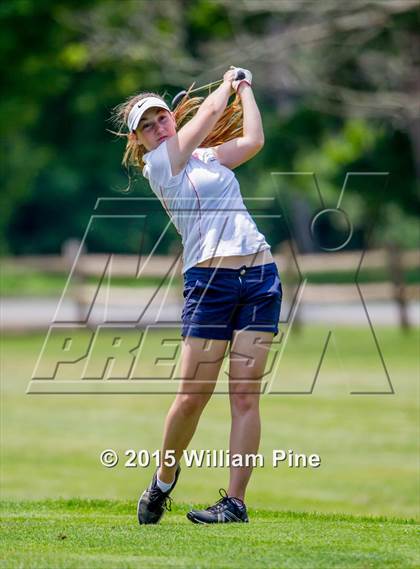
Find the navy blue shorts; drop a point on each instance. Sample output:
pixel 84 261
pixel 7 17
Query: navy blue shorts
pixel 219 301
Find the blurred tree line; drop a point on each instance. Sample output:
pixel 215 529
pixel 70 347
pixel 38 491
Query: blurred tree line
pixel 337 84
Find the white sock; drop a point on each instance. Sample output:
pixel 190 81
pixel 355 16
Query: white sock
pixel 164 486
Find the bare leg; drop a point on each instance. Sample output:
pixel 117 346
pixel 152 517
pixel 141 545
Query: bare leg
pixel 200 366
pixel 247 364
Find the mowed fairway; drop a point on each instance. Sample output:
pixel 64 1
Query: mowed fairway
pixel 95 534
pixel 62 508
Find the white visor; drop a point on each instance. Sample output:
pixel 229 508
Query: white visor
pixel 140 108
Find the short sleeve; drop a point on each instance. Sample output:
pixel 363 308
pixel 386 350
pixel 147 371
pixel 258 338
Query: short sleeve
pixel 157 167
pixel 205 155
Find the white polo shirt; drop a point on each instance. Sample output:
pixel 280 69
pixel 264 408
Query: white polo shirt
pixel 204 203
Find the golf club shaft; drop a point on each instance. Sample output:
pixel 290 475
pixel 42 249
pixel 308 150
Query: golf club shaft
pixel 240 75
pixel 209 85
pixel 182 94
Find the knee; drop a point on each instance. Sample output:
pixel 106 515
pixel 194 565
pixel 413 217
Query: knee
pixel 242 403
pixel 192 403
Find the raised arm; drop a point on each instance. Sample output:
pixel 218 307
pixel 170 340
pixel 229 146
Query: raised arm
pixel 242 148
pixel 191 135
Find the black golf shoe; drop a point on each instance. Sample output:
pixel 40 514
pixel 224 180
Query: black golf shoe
pixel 153 501
pixel 227 509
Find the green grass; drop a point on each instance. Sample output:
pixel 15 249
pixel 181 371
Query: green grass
pixel 102 534
pixel 50 469
pixel 29 282
pixel 411 276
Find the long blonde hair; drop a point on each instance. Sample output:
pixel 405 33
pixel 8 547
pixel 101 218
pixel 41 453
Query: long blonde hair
pixel 229 125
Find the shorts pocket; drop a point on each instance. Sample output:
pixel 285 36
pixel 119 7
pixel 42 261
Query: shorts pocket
pixel 278 285
pixel 273 286
pixel 193 289
pixel 266 302
pixel 187 292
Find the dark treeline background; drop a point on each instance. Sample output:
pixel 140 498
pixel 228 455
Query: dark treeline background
pixel 337 83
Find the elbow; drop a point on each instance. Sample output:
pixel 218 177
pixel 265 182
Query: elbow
pixel 258 143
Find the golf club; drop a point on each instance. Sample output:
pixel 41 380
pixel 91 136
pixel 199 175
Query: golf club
pixel 179 96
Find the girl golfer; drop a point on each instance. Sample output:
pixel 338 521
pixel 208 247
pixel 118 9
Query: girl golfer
pixel 232 288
